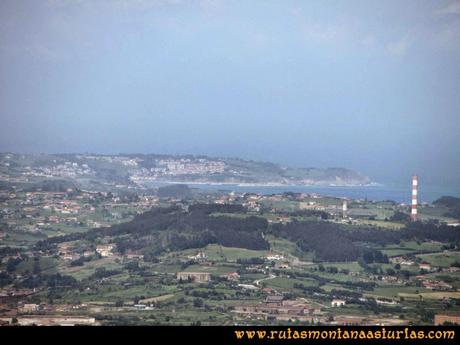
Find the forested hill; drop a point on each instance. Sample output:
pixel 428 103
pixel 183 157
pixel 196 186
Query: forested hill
pixel 173 228
pixel 452 205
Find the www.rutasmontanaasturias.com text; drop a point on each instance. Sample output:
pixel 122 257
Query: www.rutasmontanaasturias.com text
pixel 338 334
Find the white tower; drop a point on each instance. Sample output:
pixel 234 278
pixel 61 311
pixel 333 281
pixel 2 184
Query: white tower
pixel 344 209
pixel 413 213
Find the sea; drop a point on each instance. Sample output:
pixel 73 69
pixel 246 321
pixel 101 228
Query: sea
pixel 400 193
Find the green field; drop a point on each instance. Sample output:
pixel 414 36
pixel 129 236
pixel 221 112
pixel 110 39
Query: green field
pixel 21 239
pixel 351 266
pixel 411 247
pixel 438 295
pixel 219 253
pixel 445 259
pixel 288 283
pixel 395 291
pixel 286 248
pixel 329 287
pixel 217 269
pixel 82 272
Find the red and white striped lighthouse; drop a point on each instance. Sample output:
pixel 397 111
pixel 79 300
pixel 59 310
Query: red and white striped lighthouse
pixel 413 213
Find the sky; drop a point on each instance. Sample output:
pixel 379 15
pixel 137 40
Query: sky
pixel 368 85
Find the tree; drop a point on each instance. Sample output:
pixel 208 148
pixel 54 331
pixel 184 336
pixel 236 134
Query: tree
pixel 399 216
pixel 36 269
pixel 12 263
pixel 333 270
pixel 391 272
pixel 198 303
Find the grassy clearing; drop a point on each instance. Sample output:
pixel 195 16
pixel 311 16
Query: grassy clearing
pixel 82 272
pixel 284 205
pixel 211 269
pixel 286 247
pixel 330 287
pixel 411 247
pixel 434 212
pixel 351 266
pixel 114 293
pixel 395 291
pixel 219 253
pixel 21 239
pixel 167 268
pixel 288 283
pixel 445 259
pixel 432 295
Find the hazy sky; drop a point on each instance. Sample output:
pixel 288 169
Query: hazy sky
pixel 369 85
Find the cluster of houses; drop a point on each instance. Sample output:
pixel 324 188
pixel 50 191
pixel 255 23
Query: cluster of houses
pixel 46 208
pixel 254 202
pixel 277 308
pixel 176 167
pixel 42 320
pixel 67 252
pixel 66 169
pixel 199 256
pixel 186 166
pixel 435 285
pixel 105 250
pixel 204 277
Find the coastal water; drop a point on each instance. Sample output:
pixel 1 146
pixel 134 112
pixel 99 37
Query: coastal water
pixel 396 192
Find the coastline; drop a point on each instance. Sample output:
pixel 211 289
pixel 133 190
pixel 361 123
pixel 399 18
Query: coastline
pixel 266 184
pixel 400 193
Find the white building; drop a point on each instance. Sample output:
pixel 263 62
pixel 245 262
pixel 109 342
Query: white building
pixel 105 250
pixel 338 302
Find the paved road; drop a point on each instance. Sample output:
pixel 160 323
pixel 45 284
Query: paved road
pixel 271 276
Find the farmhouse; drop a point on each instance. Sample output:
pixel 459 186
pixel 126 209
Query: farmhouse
pixel 105 250
pixel 338 302
pixel 28 308
pixel 230 276
pixel 425 267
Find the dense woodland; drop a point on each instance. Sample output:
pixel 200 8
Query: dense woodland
pixel 175 229
pixel 452 203
pixel 337 242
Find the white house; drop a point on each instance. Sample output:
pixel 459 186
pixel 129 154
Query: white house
pixel 338 302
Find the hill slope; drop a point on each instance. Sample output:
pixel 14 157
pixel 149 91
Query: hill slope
pixel 140 170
